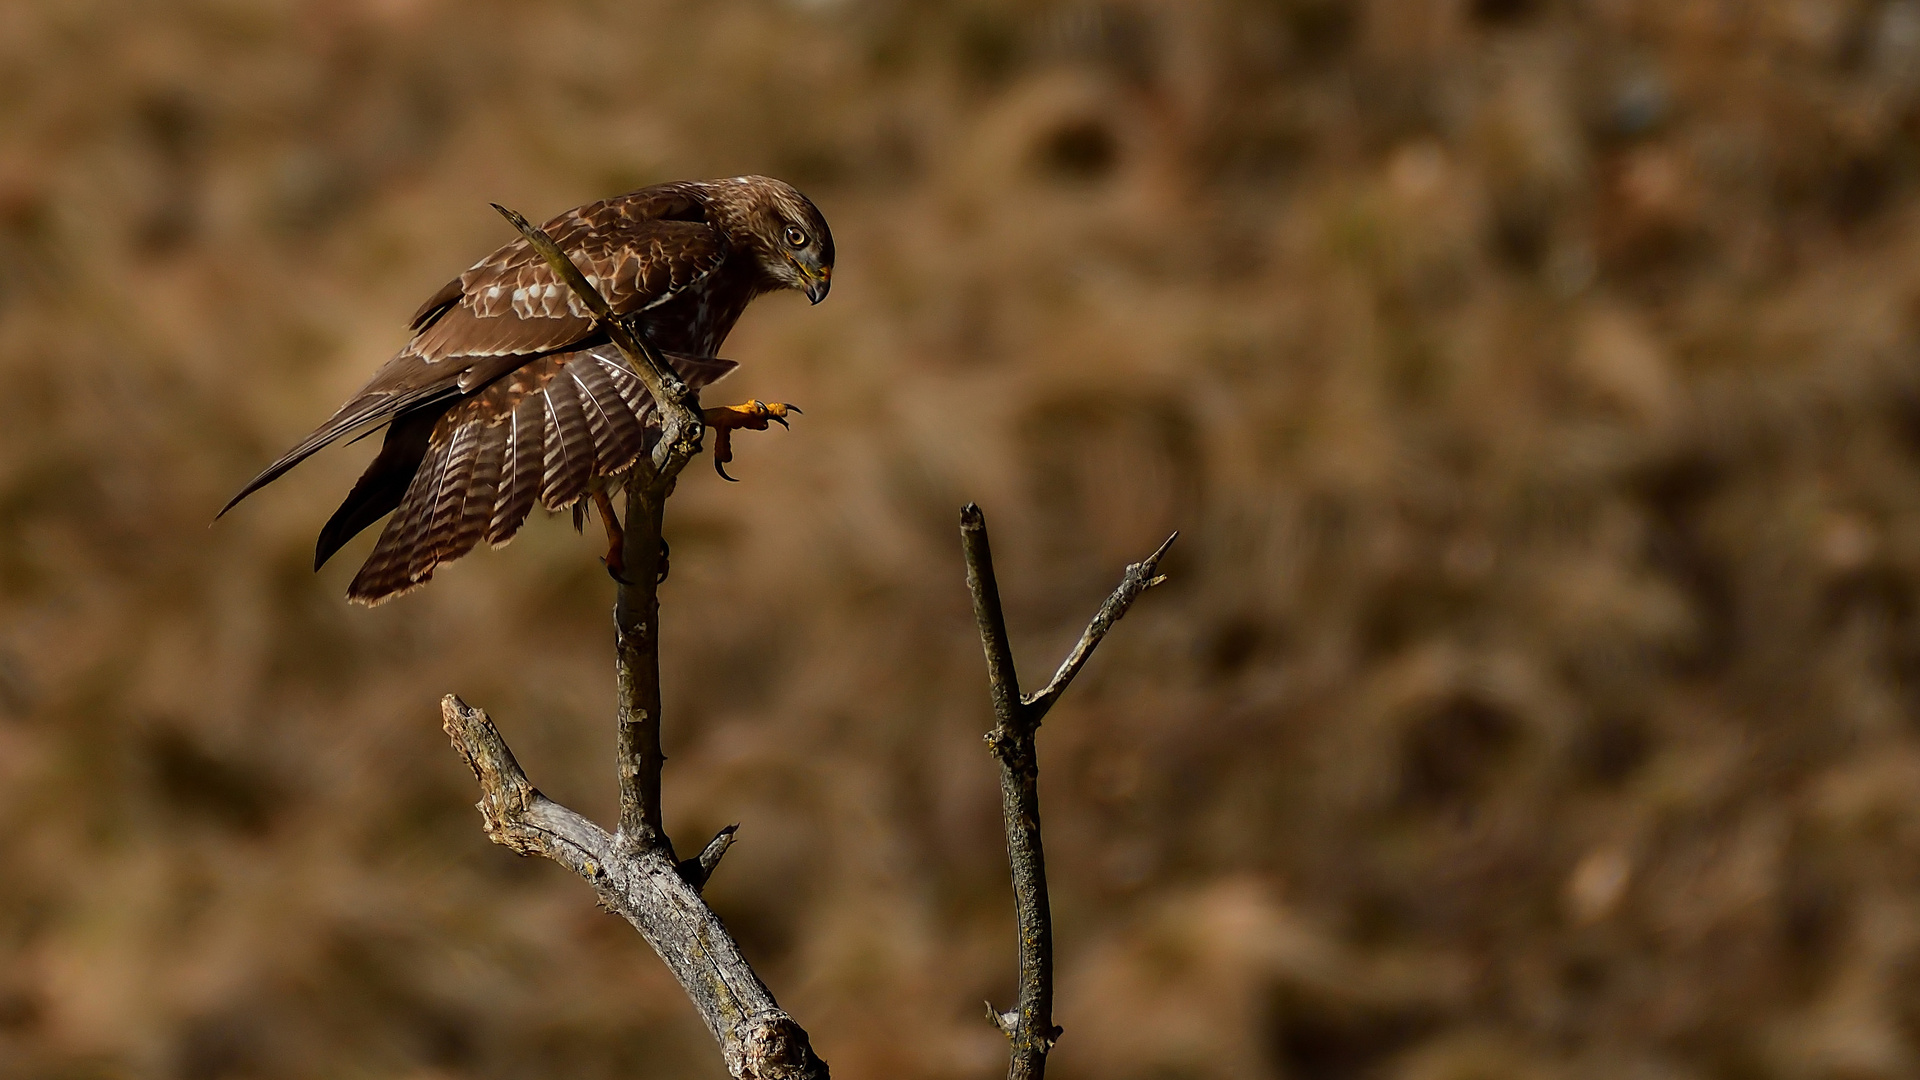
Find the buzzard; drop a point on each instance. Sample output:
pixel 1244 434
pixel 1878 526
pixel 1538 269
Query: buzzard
pixel 507 393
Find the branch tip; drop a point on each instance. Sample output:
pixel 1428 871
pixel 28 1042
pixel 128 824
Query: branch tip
pixel 1138 578
pixel 699 869
pixel 1143 571
pixel 1008 1022
pixel 1162 549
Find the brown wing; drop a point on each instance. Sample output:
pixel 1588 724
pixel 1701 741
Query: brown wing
pixel 539 434
pixel 639 250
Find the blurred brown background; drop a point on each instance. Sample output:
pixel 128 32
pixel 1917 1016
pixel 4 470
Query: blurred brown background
pixel 1533 381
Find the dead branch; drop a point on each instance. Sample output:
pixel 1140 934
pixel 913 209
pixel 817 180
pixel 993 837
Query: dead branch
pixel 646 888
pixel 636 638
pixel 1029 1024
pixel 633 869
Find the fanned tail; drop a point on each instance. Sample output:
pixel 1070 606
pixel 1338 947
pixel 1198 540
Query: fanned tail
pixel 540 434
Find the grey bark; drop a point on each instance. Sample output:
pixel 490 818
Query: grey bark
pixel 647 888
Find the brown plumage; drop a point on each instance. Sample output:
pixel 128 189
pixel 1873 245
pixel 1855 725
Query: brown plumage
pixel 507 396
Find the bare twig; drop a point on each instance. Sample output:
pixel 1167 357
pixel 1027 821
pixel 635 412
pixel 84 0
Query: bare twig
pixel 1139 578
pixel 701 867
pixel 1029 1024
pixel 634 869
pixel 1003 680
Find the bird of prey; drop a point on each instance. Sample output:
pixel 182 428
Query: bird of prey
pixel 508 394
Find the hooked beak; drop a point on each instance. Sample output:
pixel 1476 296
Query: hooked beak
pixel 817 279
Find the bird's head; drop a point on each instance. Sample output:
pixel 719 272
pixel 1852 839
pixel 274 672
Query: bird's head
pixel 795 247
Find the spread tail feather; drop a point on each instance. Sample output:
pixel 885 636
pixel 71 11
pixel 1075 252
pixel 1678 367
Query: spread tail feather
pixel 453 476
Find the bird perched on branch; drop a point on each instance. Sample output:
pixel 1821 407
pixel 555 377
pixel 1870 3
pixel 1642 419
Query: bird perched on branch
pixel 508 393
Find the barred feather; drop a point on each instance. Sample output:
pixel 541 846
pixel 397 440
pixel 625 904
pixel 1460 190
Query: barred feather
pixel 569 451
pixel 416 513
pixel 449 501
pixel 388 570
pixel 625 383
pixel 525 432
pixel 621 435
pixel 599 427
pixel 483 486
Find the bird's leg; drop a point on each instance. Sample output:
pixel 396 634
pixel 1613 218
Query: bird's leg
pixel 751 416
pixel 616 559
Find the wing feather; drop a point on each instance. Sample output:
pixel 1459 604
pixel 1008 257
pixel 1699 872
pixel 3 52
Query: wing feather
pixel 449 501
pixel 483 485
pixel 643 249
pixel 632 391
pixel 520 469
pixel 512 303
pixel 388 571
pixel 616 434
pixel 537 435
pixel 569 450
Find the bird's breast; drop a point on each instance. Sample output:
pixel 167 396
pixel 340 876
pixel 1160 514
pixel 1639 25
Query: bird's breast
pixel 696 322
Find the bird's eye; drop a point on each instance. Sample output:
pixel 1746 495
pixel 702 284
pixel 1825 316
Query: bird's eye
pixel 796 236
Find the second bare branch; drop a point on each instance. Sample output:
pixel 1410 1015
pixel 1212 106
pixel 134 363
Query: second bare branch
pixel 1029 1025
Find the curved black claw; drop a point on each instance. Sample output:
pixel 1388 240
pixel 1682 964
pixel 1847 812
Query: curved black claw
pixel 721 468
pixel 615 574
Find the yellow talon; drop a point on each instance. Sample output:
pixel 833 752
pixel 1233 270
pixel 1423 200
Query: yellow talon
pixel 751 415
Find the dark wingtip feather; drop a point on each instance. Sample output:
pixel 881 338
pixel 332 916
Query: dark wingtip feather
pixel 362 412
pixel 273 472
pixel 307 447
pixel 379 489
pixel 436 306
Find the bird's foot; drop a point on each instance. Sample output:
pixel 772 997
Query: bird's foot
pixel 615 559
pixel 616 556
pixel 750 416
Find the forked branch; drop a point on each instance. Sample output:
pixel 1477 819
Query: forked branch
pixel 1029 1024
pixel 757 1038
